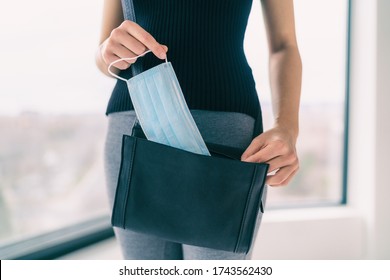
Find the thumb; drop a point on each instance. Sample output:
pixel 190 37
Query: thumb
pixel 256 144
pixel 165 48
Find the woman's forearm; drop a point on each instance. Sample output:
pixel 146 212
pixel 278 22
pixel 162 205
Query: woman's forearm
pixel 285 80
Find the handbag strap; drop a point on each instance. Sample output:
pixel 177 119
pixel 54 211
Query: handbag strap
pixel 129 14
pixel 136 67
pixel 128 9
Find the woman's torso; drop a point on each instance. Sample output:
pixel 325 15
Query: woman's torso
pixel 205 40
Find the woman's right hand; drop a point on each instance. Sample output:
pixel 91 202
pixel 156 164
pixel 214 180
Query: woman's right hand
pixel 129 40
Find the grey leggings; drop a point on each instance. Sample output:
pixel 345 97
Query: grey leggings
pixel 227 128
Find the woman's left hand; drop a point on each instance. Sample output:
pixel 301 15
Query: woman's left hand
pixel 277 148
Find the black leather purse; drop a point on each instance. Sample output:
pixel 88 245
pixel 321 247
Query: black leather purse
pixel 208 201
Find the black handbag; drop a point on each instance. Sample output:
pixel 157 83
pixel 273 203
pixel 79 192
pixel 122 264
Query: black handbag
pixel 208 201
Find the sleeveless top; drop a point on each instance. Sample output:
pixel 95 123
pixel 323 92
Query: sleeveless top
pixel 205 46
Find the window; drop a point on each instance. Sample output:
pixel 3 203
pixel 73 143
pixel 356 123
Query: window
pixel 322 38
pixel 52 103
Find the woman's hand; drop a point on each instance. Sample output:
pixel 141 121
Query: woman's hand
pixel 128 40
pixel 277 148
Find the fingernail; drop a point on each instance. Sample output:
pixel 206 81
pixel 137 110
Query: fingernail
pixel 162 55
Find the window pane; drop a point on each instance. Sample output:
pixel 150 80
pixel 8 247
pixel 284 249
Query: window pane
pixel 322 37
pixel 52 102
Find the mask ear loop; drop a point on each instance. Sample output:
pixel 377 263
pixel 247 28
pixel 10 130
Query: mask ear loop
pixel 126 59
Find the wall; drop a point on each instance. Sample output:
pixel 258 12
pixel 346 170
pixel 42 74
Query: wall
pixel 381 235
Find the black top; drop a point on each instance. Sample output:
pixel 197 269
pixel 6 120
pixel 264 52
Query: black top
pixel 205 41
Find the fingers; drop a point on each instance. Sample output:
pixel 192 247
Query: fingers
pixel 265 154
pixel 126 40
pixel 253 148
pixel 122 52
pixel 129 40
pixel 283 176
pixel 284 168
pixel 276 148
pixel 145 38
pixel 261 150
pixel 282 161
pixel 108 58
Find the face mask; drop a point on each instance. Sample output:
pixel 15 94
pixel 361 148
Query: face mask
pixel 161 108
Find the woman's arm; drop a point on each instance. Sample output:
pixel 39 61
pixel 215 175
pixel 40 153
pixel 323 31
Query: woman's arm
pixel 121 39
pixel 277 145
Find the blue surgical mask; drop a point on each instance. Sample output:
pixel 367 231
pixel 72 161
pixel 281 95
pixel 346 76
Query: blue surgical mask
pixel 161 108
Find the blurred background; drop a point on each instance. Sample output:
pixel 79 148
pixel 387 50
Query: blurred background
pixel 52 125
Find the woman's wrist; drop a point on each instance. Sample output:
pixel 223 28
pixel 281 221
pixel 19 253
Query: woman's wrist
pixel 288 126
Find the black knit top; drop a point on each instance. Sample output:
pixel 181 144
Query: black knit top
pixel 205 42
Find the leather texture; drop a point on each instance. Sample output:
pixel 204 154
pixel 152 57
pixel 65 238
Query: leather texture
pixel 188 198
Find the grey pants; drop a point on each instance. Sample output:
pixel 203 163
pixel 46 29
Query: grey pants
pixel 227 128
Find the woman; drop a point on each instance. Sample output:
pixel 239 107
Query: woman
pixel 205 41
